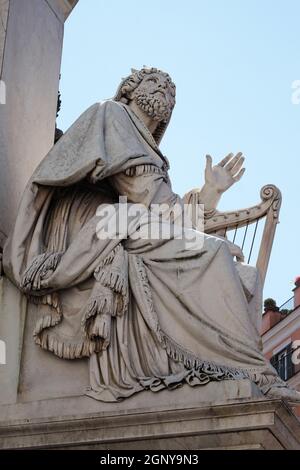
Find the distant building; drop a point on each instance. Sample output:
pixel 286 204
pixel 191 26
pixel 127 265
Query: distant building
pixel 281 337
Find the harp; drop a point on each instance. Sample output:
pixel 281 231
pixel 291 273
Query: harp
pixel 230 223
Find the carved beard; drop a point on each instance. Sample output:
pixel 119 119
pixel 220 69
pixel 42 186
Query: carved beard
pixel 157 109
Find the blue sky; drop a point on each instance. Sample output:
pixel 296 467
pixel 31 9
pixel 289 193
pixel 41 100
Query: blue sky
pixel 233 63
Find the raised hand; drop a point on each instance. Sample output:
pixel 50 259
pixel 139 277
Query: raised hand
pixel 222 176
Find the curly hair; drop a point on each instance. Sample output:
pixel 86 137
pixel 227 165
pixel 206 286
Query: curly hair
pixel 130 83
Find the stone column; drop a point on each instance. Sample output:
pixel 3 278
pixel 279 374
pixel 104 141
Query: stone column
pixel 31 37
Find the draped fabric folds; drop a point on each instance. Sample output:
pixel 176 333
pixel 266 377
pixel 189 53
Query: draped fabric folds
pixel 149 313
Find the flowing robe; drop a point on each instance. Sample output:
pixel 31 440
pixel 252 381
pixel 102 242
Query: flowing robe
pixel 150 313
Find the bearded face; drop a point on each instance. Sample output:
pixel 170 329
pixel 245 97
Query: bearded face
pixel 155 96
pixel 156 108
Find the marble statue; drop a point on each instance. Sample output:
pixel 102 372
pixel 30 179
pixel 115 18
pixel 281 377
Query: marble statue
pixel 150 313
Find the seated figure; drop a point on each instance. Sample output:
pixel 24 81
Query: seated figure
pixel 150 312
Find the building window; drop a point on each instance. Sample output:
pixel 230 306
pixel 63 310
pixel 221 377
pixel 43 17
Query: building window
pixel 282 362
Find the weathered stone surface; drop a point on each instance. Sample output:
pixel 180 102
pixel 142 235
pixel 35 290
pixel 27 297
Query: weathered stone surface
pixel 62 8
pixel 225 415
pixel 144 313
pixel 31 34
pixel 4 7
pixel 44 375
pixel 33 39
pixel 182 397
pixel 244 424
pixel 44 404
pixel 13 308
pixel 31 72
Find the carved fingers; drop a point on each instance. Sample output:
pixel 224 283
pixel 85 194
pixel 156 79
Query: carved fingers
pixel 236 251
pixel 225 160
pixel 234 161
pixel 233 165
pixel 222 176
pixel 208 168
pixel 238 176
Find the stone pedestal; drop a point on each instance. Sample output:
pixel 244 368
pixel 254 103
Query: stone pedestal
pixel 220 415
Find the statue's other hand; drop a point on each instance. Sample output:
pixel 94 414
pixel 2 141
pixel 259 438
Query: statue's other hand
pixel 95 174
pixel 223 175
pixel 235 250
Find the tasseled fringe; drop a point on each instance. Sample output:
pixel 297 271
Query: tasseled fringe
pixel 215 371
pixel 38 268
pixel 101 329
pixel 118 283
pixel 113 274
pixel 152 318
pixel 50 299
pixel 46 321
pixel 110 298
pixel 99 305
pixel 84 348
pixel 47 340
pixel 113 279
pixel 143 169
pixel 109 258
pixel 176 351
pixel 96 321
pixel 96 306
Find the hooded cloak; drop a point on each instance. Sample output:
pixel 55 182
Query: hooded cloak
pixel 69 184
